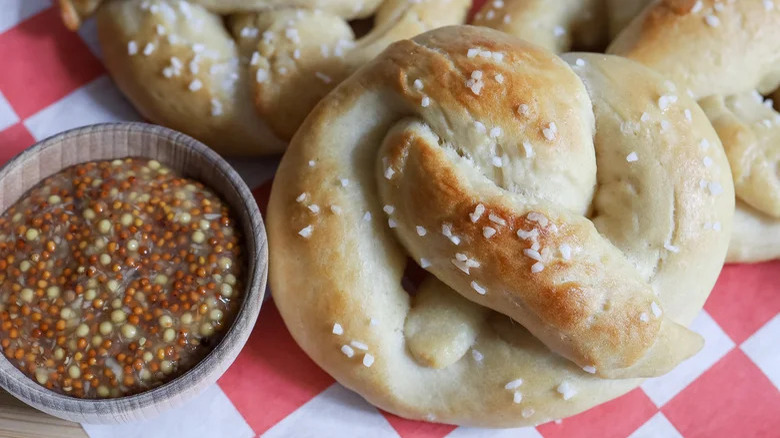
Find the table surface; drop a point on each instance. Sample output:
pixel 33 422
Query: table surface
pixel 18 420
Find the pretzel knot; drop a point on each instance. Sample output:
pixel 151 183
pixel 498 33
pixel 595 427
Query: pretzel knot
pixel 725 55
pixel 553 202
pixel 241 75
pixel 561 25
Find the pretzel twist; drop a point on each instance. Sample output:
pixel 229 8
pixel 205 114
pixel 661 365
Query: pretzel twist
pixel 561 25
pixel 244 84
pixel 555 204
pixel 726 54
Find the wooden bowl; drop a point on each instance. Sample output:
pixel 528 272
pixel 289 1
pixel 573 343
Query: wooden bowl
pixel 191 158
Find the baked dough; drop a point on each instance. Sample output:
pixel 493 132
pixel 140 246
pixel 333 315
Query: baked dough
pixel 726 53
pixel 561 25
pixel 74 12
pixel 242 75
pixel 555 204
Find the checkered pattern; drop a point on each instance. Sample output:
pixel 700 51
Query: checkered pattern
pixel 52 79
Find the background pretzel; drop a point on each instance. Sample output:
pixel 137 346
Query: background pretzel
pixel 555 204
pixel 75 11
pixel 244 85
pixel 561 25
pixel 727 54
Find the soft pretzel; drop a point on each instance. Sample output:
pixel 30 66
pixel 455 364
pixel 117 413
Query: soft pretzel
pixel 244 85
pixel 75 11
pixel 561 25
pixel 554 203
pixel 727 54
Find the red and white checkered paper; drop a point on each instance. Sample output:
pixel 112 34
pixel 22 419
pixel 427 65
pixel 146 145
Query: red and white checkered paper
pixel 52 79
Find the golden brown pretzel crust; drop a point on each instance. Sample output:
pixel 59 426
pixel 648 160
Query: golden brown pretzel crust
pixel 479 156
pixel 244 85
pixel 725 53
pixel 561 25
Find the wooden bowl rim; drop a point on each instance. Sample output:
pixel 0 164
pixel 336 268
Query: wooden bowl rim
pixel 106 410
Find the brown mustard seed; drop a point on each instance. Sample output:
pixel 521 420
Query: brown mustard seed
pixel 108 273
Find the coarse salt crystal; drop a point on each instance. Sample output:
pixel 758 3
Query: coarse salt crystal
pixel 590 369
pixel 523 109
pixel 529 150
pixel 496 219
pixel 525 235
pixel 488 232
pixel 632 157
pixel 712 20
pixel 514 384
pixel 368 360
pixel 195 85
pixel 479 210
pixel 480 290
pixel 715 188
pixel 421 231
pixel 665 101
pixel 261 75
pixel 148 49
pixel 338 329
pixel 306 232
pixel 347 350
pixel 424 263
pixel 566 390
pixel 537 267
pixel 359 345
pixel 656 309
pixel 538 218
pixel 532 254
pixel 550 131
pixel 565 250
